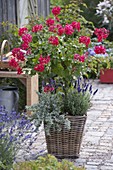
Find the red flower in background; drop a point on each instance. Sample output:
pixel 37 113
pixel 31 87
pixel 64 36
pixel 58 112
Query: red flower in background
pixel 13 63
pixel 22 31
pixel 17 53
pixel 80 58
pixel 101 33
pixel 27 38
pixel 37 28
pixel 69 29
pixel 61 30
pixel 54 40
pixel 39 67
pixel 50 21
pixel 76 25
pixel 100 49
pixel 52 28
pixel 44 60
pixel 56 10
pixel 57 19
pixel 85 40
pixel 19 70
pixel 25 46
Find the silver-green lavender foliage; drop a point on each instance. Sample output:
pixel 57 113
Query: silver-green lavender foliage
pixel 78 99
pixel 48 111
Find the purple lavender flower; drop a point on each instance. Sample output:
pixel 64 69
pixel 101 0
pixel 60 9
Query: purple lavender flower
pixel 15 128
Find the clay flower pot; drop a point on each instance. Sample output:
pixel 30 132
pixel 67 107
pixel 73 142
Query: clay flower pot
pixel 106 76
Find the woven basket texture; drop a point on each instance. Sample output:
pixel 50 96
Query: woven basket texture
pixel 66 143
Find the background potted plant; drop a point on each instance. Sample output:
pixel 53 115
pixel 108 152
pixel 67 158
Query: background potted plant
pixel 106 74
pixel 102 64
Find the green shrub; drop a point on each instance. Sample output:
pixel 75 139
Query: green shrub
pixel 48 162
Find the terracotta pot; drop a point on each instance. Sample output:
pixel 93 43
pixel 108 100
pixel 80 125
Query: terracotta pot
pixel 106 76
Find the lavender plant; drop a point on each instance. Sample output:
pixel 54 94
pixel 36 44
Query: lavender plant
pixel 54 104
pixel 16 131
pixel 78 99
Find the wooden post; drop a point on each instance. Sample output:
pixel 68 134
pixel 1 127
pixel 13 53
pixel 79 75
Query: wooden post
pixel 32 87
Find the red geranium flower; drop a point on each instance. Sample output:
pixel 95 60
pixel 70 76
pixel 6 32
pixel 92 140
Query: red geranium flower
pixel 100 49
pixel 61 30
pixel 56 10
pixel 13 63
pixel 25 46
pixel 69 29
pixel 27 38
pixel 50 21
pixel 80 58
pixel 101 33
pixel 39 67
pixel 22 31
pixel 17 53
pixel 52 28
pixel 19 70
pixel 53 40
pixel 76 25
pixel 44 60
pixel 85 40
pixel 37 28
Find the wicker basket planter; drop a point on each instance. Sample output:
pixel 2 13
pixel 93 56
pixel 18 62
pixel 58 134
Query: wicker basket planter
pixel 66 143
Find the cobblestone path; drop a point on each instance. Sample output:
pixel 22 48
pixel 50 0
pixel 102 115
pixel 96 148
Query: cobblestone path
pixel 97 145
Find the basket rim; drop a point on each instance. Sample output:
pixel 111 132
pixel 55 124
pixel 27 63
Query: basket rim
pixel 76 116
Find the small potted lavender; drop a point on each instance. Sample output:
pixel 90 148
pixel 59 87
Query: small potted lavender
pixel 64 115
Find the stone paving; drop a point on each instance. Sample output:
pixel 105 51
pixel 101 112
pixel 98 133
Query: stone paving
pixel 97 145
